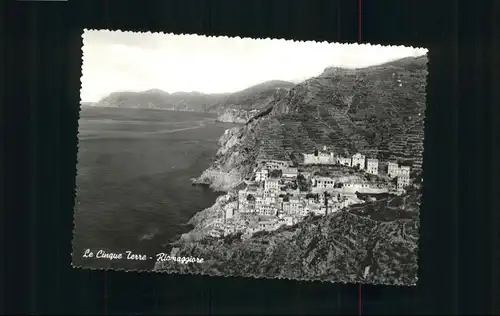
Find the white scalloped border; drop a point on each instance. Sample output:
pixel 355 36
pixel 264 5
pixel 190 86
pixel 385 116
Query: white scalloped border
pixel 156 272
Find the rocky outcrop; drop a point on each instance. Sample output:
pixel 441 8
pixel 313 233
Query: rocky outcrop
pixel 236 115
pixel 201 219
pixel 218 180
pixel 234 160
pixel 252 98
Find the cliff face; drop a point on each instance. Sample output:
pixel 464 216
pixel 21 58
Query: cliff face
pixel 203 218
pixel 254 97
pixel 367 244
pixel 235 115
pixel 241 106
pixel 232 163
pixel 377 110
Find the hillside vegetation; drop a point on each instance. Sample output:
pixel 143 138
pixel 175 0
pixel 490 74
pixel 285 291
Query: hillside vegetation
pixel 253 98
pixel 379 111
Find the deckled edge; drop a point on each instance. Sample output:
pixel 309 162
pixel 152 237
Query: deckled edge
pixel 153 271
pixel 75 190
pixel 355 44
pixel 261 277
pixel 421 206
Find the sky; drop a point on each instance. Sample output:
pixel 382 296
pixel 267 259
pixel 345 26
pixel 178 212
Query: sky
pixel 130 61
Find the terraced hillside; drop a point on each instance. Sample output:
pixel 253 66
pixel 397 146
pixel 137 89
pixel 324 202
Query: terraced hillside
pixel 378 111
pixel 254 97
pixel 240 106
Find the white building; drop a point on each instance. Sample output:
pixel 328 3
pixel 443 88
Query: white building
pixel 271 185
pixel 392 169
pixel 323 158
pixel 261 175
pixel 324 182
pixel 289 220
pixel 259 201
pixel 295 206
pixel 355 186
pixel 229 213
pixel 242 194
pixel 285 208
pixel 290 172
pixel 345 161
pixel 404 170
pixel 372 166
pixel 358 160
pixel 275 164
pixel 269 194
pixel 404 177
pixel 267 225
pixel 267 209
pixel 321 199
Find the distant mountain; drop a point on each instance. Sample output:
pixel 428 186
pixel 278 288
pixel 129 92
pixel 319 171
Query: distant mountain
pixel 378 111
pixel 158 99
pixel 247 99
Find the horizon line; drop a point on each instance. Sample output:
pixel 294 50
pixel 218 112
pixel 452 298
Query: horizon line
pixel 295 81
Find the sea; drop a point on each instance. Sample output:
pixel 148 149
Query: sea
pixel 133 181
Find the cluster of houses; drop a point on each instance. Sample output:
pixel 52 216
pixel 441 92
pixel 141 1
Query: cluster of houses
pixel 268 208
pixel 370 165
pixel 270 200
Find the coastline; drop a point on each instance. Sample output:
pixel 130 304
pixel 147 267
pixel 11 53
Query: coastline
pixel 218 181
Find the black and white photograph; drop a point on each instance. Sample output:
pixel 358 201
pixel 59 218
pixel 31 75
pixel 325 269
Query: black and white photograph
pixel 242 157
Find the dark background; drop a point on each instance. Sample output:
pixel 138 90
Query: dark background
pixel 42 82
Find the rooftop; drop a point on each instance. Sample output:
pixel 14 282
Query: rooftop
pixel 323 178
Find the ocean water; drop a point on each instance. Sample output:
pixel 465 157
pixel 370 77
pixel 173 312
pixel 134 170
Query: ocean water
pixel 133 181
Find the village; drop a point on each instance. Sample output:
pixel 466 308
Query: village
pixel 281 194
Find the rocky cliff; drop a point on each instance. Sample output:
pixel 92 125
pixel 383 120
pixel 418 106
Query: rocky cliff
pixel 226 173
pixel 373 243
pixel 235 115
pixel 202 219
pixel 241 106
